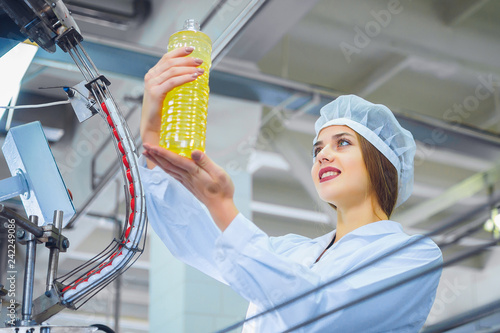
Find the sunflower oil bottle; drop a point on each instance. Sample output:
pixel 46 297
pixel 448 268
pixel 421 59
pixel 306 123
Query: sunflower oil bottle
pixel 184 112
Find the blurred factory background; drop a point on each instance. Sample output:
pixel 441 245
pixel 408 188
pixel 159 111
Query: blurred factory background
pixel 433 62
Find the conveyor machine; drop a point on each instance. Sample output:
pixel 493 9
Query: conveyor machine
pixel 37 180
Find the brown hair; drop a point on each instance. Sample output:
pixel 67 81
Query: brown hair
pixel 383 175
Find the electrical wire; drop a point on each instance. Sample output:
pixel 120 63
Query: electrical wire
pixel 35 106
pixel 321 286
pixel 330 282
pixel 452 261
pixel 449 262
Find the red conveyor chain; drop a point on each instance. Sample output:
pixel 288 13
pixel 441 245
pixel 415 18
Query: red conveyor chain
pixel 125 239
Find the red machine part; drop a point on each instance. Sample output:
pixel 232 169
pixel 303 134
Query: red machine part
pixel 125 239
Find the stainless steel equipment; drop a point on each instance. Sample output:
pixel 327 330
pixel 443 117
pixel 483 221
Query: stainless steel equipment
pixel 49 24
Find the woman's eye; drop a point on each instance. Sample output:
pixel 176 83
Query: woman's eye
pixel 316 151
pixel 343 142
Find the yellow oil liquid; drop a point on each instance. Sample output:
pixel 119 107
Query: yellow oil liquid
pixel 184 113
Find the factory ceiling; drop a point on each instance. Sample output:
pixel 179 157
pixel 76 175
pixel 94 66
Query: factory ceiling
pixel 434 63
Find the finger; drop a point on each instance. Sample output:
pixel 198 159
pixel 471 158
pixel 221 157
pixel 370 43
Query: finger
pixel 184 163
pixel 178 52
pixel 181 176
pixel 177 71
pixel 177 62
pixel 177 81
pixel 205 163
pixel 172 77
pixel 150 152
pixel 147 146
pixel 189 172
pixel 171 161
pixel 165 166
pixel 181 53
pixel 170 62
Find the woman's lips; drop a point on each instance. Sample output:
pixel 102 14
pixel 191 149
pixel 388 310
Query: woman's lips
pixel 328 173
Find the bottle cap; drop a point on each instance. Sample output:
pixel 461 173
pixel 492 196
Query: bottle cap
pixel 191 24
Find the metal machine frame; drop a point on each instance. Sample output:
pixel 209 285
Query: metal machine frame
pixel 48 23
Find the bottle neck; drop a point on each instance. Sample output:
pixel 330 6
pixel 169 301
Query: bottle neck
pixel 192 25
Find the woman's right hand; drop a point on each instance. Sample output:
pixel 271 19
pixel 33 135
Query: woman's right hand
pixel 173 70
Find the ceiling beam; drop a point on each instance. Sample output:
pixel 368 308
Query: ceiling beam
pixel 260 159
pixel 382 75
pixel 404 36
pixel 322 218
pixel 252 45
pixel 289 212
pixel 444 156
pixel 287 145
pixel 450 197
pixel 236 29
pixel 171 16
pixel 129 62
pixel 495 118
pixel 455 12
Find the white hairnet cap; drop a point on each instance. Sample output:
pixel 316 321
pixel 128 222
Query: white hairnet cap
pixel 377 124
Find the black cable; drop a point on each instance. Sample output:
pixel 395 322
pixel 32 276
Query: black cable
pixel 324 285
pixel 452 261
pixel 103 328
pixel 464 318
pixel 320 287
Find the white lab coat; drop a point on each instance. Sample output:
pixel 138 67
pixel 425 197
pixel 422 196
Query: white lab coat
pixel 269 270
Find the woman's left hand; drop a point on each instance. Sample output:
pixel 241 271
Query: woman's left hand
pixel 201 176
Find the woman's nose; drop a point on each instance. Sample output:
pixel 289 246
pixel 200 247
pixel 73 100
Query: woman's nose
pixel 325 155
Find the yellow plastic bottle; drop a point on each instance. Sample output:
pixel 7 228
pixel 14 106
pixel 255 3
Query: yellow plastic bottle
pixel 184 113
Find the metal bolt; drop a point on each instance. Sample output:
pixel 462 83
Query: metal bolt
pixel 65 243
pixel 6 225
pixel 53 4
pixel 20 233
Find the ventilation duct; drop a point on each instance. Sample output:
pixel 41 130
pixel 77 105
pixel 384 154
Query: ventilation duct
pixel 141 10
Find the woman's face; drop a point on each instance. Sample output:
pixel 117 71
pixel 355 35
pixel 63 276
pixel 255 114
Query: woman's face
pixel 339 172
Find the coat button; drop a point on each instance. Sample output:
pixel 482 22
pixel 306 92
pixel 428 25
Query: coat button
pixel 156 178
pixel 220 256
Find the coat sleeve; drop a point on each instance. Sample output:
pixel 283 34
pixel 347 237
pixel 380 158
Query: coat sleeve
pixel 180 220
pixel 249 263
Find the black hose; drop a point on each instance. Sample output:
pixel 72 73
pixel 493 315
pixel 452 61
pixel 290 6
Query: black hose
pixel 103 328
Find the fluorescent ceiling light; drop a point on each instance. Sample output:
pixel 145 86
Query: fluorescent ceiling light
pixel 13 66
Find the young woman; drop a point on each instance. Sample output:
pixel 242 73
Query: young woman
pixel 363 167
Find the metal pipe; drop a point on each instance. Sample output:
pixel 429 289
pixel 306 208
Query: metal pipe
pixel 3 252
pixel 464 318
pixel 72 54
pixel 215 9
pixel 118 287
pixel 54 252
pixel 461 256
pixel 21 221
pixel 456 128
pixel 86 66
pixel 29 275
pixel 12 187
pixel 96 71
pixel 110 175
pixel 118 281
pixel 228 37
